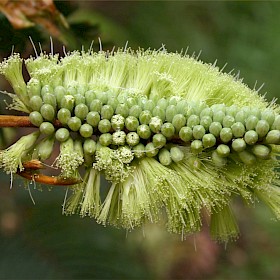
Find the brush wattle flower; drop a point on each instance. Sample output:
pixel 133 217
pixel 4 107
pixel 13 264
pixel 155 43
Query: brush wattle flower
pixel 175 138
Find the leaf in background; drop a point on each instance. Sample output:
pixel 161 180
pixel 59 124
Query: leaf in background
pixel 89 25
pixel 24 14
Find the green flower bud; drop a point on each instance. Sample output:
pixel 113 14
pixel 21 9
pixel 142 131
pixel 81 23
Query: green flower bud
pixel 223 150
pixel 71 91
pixel 196 146
pixel 273 137
pixel 206 121
pixel 149 105
pixel 193 120
pixel 90 96
pixel 247 158
pixel 132 139
pixel 159 112
pixel 47 111
pixel 122 110
pixel 208 140
pixel 36 118
pixel 207 112
pixel 74 123
pixel 112 101
pixel 261 151
pixel 151 150
pixel 276 123
pixel 198 132
pixel 104 126
pixel 95 105
pixel 168 130
pixel 102 96
pixel 131 102
pixel 164 157
pixel 139 150
pixel 46 89
pixel 170 113
pixel 135 111
pixel 218 116
pixel 218 160
pixel 228 121
pixel 188 111
pixel 199 106
pixel 155 124
pixel 36 103
pixel 144 131
pixel 80 99
pixel 232 110
pixel 183 108
pixel 107 112
pixel 178 122
pixel 93 118
pixel 251 122
pixel 106 139
pixel 86 130
pixel 256 112
pixel 262 128
pixel 62 134
pixel 123 96
pixel 46 128
pixel 215 128
pixel 251 137
pixel 176 154
pixel 162 103
pixel 173 100
pixel 89 146
pixel 159 140
pixel 238 129
pixel 269 116
pixel 82 89
pixel 186 134
pixel 119 138
pixel 145 117
pixel 50 99
pixel 131 123
pixel 68 102
pixel 226 134
pixel 246 110
pixel 81 111
pixel 238 145
pixel 218 107
pixel 240 117
pixel 117 122
pixel 59 93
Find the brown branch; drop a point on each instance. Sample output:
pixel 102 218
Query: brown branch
pixel 20 121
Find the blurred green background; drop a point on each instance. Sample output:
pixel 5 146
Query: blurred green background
pixel 37 242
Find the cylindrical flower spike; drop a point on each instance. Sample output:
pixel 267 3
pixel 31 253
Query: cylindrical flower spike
pixel 168 132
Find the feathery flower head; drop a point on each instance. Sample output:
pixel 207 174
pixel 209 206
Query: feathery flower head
pixel 174 137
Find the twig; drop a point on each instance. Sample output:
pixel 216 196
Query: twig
pixel 20 121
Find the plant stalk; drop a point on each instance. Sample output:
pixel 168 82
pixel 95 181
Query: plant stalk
pixel 20 121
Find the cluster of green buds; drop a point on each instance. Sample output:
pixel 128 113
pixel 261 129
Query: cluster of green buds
pixel 146 121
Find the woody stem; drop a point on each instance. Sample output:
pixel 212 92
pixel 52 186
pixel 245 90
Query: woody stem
pixel 20 121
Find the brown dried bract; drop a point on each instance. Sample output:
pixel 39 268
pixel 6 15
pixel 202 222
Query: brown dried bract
pixel 33 164
pixel 27 13
pixel 48 180
pixel 29 173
